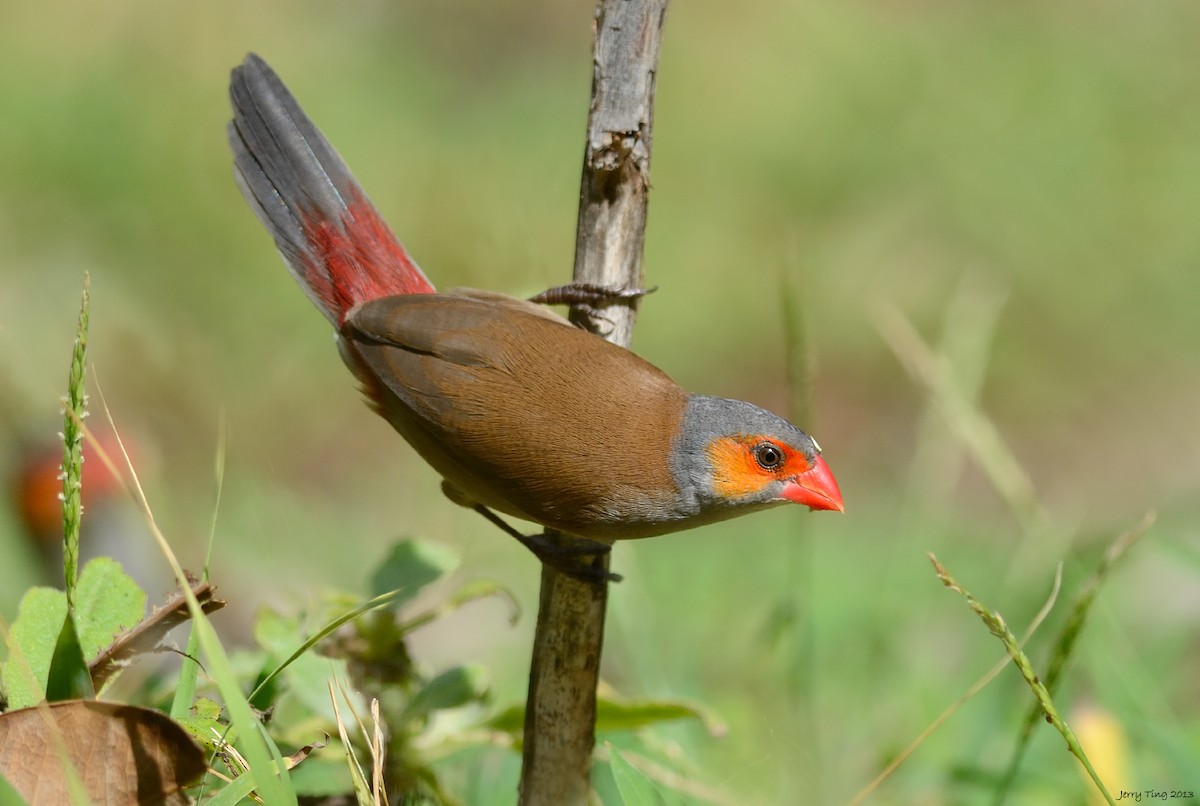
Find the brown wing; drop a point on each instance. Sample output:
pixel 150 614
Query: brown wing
pixel 519 410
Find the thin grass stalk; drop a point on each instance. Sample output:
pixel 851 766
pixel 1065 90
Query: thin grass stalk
pixel 993 455
pixel 74 410
pixel 185 691
pixel 996 624
pixel 266 763
pixel 1065 642
pixel 797 600
pixel 965 345
pixel 976 687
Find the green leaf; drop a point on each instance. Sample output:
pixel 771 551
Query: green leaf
pixel 410 566
pixel 384 600
pixel 322 776
pixel 31 642
pixel 511 720
pixel 203 722
pixel 467 592
pixel 69 677
pixel 107 602
pixel 450 689
pixel 306 674
pixel 635 788
pixel 616 715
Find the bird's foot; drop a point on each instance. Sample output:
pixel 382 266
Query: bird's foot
pixel 590 299
pixel 577 557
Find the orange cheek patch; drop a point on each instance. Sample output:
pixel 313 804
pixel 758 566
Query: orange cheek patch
pixel 736 473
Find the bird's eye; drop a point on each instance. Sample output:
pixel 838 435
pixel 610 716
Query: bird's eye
pixel 768 456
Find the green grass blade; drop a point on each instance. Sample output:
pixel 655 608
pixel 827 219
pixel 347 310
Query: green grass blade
pixel 185 690
pixel 635 788
pixel 800 359
pixel 234 792
pixel 795 603
pixel 362 788
pixel 968 329
pixel 978 433
pixel 266 763
pixel 382 600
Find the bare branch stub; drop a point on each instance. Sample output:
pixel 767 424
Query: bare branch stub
pixel 612 209
pixel 615 185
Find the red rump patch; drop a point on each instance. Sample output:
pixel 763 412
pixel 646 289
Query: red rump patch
pixel 361 260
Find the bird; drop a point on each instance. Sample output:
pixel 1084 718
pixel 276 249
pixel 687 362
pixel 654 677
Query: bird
pixel 521 412
pixel 108 526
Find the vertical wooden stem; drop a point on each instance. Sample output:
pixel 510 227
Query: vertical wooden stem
pixel 560 712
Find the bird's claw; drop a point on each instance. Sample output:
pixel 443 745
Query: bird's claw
pixel 592 294
pixel 577 557
pixel 588 300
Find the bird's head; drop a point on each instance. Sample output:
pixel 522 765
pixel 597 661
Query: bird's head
pixel 731 455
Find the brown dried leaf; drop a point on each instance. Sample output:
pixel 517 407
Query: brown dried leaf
pixel 151 631
pixel 305 752
pixel 122 754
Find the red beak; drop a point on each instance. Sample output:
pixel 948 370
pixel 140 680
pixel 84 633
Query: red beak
pixel 815 488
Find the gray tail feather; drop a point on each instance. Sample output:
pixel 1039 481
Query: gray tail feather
pixel 283 165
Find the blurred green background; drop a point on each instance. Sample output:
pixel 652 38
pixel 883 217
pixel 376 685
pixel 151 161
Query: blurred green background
pixel 1035 162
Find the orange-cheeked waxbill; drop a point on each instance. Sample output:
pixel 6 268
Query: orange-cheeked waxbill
pixel 520 411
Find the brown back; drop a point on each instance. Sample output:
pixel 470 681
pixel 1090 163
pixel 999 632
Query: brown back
pixel 520 410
